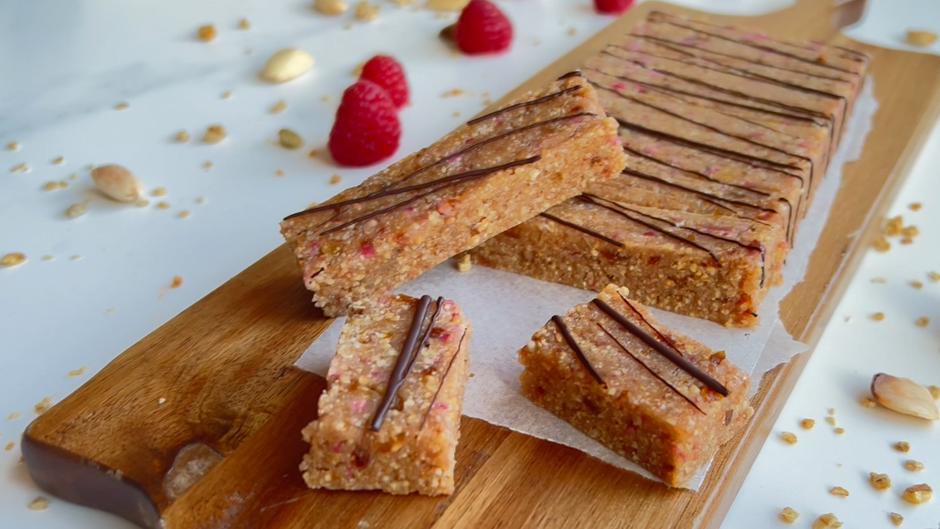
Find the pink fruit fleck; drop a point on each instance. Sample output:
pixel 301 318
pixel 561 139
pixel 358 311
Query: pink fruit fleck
pixel 367 250
pixel 358 405
pixel 337 447
pixel 440 406
pixel 620 85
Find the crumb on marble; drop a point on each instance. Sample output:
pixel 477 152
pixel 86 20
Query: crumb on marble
pixel 206 33
pixel 878 316
pixel 279 106
pixel 39 503
pixel 12 259
pixel 788 515
pixel 841 492
pixel 788 437
pixel 176 282
pixel 42 406
pixel 77 372
pixel 879 481
pixel 335 179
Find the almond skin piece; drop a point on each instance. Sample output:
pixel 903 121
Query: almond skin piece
pixel 903 395
pixel 116 182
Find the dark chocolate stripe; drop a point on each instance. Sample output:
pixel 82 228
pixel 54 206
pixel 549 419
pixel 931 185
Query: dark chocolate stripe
pixel 572 73
pixel 444 183
pixel 711 198
pixel 758 46
pixel 566 334
pixel 523 104
pixel 695 174
pixel 680 47
pixel 582 229
pixel 441 383
pixel 672 354
pixel 403 363
pixel 650 369
pixel 620 210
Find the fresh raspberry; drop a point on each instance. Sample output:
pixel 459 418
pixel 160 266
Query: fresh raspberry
pixel 483 28
pixel 366 129
pixel 612 7
pixel 387 73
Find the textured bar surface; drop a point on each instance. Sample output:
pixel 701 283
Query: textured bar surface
pixel 658 398
pixel 485 177
pixel 390 416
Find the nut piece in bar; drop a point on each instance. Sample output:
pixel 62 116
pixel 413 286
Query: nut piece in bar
pixel 390 416
pixel 496 171
pixel 658 398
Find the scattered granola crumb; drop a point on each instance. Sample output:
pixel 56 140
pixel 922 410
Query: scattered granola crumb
pixel 917 494
pixel 915 206
pixel 289 139
pixel 58 160
pixel 896 519
pixel 279 106
pixel 77 372
pixel 214 134
pixel 934 277
pixel 917 285
pixel 455 92
pixel 934 392
pixel 9 447
pixel 923 321
pixel 13 416
pixel 227 95
pixel 12 259
pixel 839 430
pixel 206 33
pixel 464 264
pixel 47 257
pixel 279 172
pixel 208 165
pixel 902 446
pixel 910 231
pixel 878 316
pixel 788 515
pixel 831 420
pixel 76 210
pixel 142 203
pixel 75 258
pixel 176 282
pixel 807 424
pixel 13 146
pixel 158 192
pixel 163 205
pixel 331 7
pixel 42 406
pixel 827 521
pixel 335 179
pixel 842 492
pixel 920 37
pixel 893 226
pixel 123 105
pixel 21 167
pixel 314 153
pixel 879 481
pixel 913 465
pixel 907 240
pixel 183 214
pixel 868 402
pixel 53 185
pixel 879 280
pixel 181 136
pixel 366 12
pixel 244 24
pixel 39 503
pixel 788 437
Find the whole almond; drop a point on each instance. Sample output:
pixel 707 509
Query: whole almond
pixel 116 182
pixel 903 395
pixel 287 64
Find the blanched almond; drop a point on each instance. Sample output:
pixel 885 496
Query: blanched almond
pixel 903 395
pixel 287 64
pixel 116 182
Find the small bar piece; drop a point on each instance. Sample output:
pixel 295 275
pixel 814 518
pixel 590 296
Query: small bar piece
pixel 487 176
pixel 658 398
pixel 390 417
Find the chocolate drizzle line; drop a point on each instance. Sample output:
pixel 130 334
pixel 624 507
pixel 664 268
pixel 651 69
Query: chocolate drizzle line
pixel 523 104
pixel 566 334
pixel 443 379
pixel 572 73
pixel 671 353
pixel 650 369
pixel 406 358
pixel 582 229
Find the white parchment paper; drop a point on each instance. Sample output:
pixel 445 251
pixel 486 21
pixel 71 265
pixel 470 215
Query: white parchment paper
pixel 506 309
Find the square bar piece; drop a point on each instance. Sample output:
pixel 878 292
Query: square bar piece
pixel 654 396
pixel 496 171
pixel 390 416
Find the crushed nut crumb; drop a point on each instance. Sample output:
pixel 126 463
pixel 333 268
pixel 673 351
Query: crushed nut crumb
pixel 917 494
pixel 21 167
pixel 839 430
pixel 76 210
pixel 917 285
pixel 181 136
pixel 206 33
pixel 13 146
pixel 454 92
pixel 920 37
pixel 915 206
pixel 13 416
pixel 183 214
pixel 934 277
pixel 842 492
pixel 227 95
pixel 879 280
pixel 913 465
pixel 878 316
pixel 158 192
pixel 208 165
pixel 934 392
pixel 58 160
pixel 788 515
pixel 47 258
pixel 313 153
pixel 176 282
pixel 163 205
pixel 77 372
pixel 807 424
pixel 39 503
pixel 893 226
pixel 788 437
pixel 142 203
pixel 902 446
pixel 12 259
pixel 868 402
pixel 831 420
pixel 123 105
pixel 907 240
pixel 827 521
pixel 42 406
pixel 464 264
pixel 331 7
pixel 289 139
pixel 335 179
pixel 879 481
pixel 923 321
pixel 366 12
pixel 279 172
pixel 896 519
pixel 244 24
pixel 9 447
pixel 52 186
pixel 214 134
pixel 279 106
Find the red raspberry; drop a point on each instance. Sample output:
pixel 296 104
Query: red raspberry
pixel 483 28
pixel 387 73
pixel 366 129
pixel 614 7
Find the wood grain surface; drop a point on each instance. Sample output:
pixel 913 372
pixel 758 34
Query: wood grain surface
pixel 198 424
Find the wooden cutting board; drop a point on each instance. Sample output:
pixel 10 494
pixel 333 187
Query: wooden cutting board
pixel 198 424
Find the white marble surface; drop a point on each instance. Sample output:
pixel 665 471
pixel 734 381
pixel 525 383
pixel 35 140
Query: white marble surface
pixel 65 64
